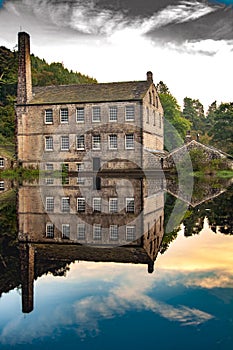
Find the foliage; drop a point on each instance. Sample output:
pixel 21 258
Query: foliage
pixel 194 112
pixel 42 74
pixel 175 126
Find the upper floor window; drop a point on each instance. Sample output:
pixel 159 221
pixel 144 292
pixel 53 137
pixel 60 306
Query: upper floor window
pixel 66 231
pixel 156 102
pixel 80 179
pixel 65 144
pixel 96 204
pixel 81 231
pixel 147 116
pixel 48 116
pixel 129 141
pixel 81 205
pixel 129 113
pixel 65 204
pixel 96 117
pixel 49 204
pixel 129 205
pixel 112 140
pixel 49 230
pixel 80 115
pixel 64 116
pixel 113 114
pixel 113 232
pixel 49 166
pixel 49 143
pixel 2 162
pixel 160 120
pixel 96 141
pixel 154 117
pixel 150 98
pixel 113 205
pixel 80 142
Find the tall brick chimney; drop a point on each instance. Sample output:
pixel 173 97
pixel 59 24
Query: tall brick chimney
pixel 24 91
pixel 149 76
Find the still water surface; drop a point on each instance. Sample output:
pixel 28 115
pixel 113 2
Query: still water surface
pixel 187 302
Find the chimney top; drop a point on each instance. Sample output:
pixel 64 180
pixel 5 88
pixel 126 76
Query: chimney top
pixel 149 76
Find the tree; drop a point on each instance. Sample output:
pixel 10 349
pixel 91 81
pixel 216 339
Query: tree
pixel 175 126
pixel 194 112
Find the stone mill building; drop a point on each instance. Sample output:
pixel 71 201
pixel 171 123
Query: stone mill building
pixel 98 125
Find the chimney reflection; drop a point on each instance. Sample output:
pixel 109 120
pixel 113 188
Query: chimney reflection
pixel 109 217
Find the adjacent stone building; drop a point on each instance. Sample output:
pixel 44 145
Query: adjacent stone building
pixel 97 125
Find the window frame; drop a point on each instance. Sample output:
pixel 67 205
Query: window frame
pixel 96 117
pixel 127 234
pixel 114 142
pixel 49 141
pixel 96 143
pixel 97 229
pixel 126 146
pixel 113 116
pixel 83 204
pixel 46 115
pixel 113 236
pixel 97 204
pixel 80 180
pixel 62 143
pixel 62 110
pixel 65 204
pixel 47 204
pixel 82 115
pixel 129 116
pixel 80 148
pixel 47 233
pixel 113 208
pixel 127 207
pixel 64 234
pixel 83 236
pixel 2 162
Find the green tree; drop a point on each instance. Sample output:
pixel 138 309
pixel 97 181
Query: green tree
pixel 176 126
pixel 194 112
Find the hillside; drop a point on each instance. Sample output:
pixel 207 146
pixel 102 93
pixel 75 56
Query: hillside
pixel 43 74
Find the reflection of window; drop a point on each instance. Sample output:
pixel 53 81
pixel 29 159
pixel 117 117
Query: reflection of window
pixel 2 185
pixel 97 232
pixel 49 204
pixel 113 232
pixel 96 142
pixel 112 141
pixel 129 141
pixel 113 205
pixel 66 231
pixel 65 144
pixel 64 115
pixel 1 162
pixel 48 143
pixel 81 205
pixel 80 180
pixel 96 114
pixel 129 113
pixel 49 230
pixel 65 204
pixel 130 205
pixel 49 167
pixel 113 114
pixel 130 233
pixel 81 231
pixel 80 142
pixel 96 204
pixel 80 115
pixel 48 116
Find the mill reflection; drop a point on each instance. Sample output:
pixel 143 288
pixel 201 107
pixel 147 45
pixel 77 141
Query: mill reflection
pixel 111 217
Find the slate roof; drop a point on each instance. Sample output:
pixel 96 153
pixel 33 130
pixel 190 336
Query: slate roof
pixel 82 93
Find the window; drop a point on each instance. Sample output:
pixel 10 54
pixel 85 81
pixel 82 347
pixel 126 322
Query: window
pixel 129 113
pixel 129 141
pixel 112 141
pixel 2 162
pixel 64 117
pixel 49 230
pixel 80 168
pixel 49 204
pixel 65 204
pixel 97 232
pixel 147 116
pixel 81 205
pixel 130 233
pixel 96 204
pixel 96 114
pixel 113 205
pixel 49 167
pixel 48 143
pixel 160 120
pixel 96 140
pixel 49 180
pixel 81 231
pixel 113 114
pixel 65 144
pixel 113 232
pixel 80 115
pixel 48 116
pixel 156 102
pixel 129 205
pixel 154 116
pixel 66 231
pixel 2 185
pixel 80 141
pixel 150 98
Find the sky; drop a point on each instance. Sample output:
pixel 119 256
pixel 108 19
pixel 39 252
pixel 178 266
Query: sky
pixel 188 44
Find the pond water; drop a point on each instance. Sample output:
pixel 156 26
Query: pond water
pixel 56 293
